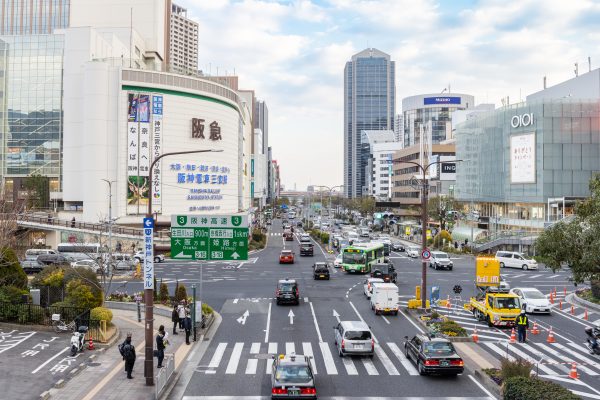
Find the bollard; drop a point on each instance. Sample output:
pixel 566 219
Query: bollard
pixel 139 310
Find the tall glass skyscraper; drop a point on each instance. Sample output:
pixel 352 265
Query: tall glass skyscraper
pixel 369 104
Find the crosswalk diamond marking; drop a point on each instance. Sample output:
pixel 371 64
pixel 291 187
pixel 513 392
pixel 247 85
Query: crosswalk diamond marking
pixel 234 359
pixel 328 358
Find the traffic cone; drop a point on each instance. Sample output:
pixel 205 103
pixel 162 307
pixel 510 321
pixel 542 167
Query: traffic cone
pixel 565 291
pixel 513 336
pixel 560 305
pixel 550 336
pixel 585 316
pixel 475 337
pixel 572 309
pixel 448 303
pixel 551 298
pixel 91 344
pixel 535 330
pixel 573 374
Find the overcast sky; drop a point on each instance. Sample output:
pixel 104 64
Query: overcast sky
pixel 292 53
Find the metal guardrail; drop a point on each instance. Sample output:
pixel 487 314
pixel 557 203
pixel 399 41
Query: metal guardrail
pixel 164 374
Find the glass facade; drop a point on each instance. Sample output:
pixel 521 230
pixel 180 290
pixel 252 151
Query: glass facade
pixel 441 124
pixel 32 121
pixel 31 17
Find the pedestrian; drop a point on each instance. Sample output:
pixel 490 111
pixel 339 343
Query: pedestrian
pixel 73 223
pixel 175 319
pixel 127 350
pixel 181 312
pixel 187 325
pixel 160 345
pixel 522 326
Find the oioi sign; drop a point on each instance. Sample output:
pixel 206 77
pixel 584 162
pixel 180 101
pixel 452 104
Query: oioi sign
pixel 209 237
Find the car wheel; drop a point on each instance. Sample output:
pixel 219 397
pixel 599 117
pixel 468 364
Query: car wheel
pixel 156 259
pixel 420 368
pixel 435 266
pixel 525 267
pixel 501 265
pixel 450 269
pixel 278 302
pixel 406 353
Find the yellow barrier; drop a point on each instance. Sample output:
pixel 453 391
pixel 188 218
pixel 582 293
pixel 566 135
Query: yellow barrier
pixel 443 303
pixel 416 303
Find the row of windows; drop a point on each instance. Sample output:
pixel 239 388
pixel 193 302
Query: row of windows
pixel 33 17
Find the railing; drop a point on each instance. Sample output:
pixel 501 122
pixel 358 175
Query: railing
pixel 503 235
pixel 164 374
pixel 38 315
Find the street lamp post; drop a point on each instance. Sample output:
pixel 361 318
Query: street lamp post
pixel 149 292
pixel 424 217
pixel 110 224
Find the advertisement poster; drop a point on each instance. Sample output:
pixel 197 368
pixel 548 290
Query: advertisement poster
pixel 132 105
pixel 522 158
pixel 144 108
pixel 144 149
pixel 157 108
pixel 132 148
pixel 137 191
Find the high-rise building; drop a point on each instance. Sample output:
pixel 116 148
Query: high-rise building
pixel 26 17
pixel 261 121
pixel 379 147
pixel 399 128
pixel 183 42
pixel 369 104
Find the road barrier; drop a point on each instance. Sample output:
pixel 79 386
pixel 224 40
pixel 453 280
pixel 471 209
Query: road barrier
pixel 164 374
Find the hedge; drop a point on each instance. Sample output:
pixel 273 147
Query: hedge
pixel 102 314
pixel 519 388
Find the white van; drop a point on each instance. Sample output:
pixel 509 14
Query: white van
pixel 384 298
pixel 512 259
pixel 123 262
pixel 32 254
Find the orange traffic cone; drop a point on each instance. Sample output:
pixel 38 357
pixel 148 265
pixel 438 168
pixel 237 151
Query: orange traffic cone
pixel 513 336
pixel 560 305
pixel 565 291
pixel 572 309
pixel 448 303
pixel 551 298
pixel 573 374
pixel 550 336
pixel 585 316
pixel 475 337
pixel 91 344
pixel 535 330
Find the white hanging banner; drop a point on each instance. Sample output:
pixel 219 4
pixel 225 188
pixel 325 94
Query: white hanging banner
pixel 144 149
pixel 157 110
pixel 132 148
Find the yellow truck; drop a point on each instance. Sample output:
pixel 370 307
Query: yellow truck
pixel 493 305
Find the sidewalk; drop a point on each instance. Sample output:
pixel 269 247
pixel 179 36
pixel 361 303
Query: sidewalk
pixel 105 378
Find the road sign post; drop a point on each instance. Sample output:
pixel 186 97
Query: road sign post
pixel 209 238
pixel 148 299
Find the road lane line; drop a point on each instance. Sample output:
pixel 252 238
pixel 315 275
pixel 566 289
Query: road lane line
pixel 268 323
pixel 385 319
pixel 349 365
pixel 491 396
pixel 312 310
pixel 272 351
pixel 361 318
pixel 255 348
pixel 534 276
pixel 385 360
pixel 580 316
pixel 234 359
pixel 50 359
pixel 216 358
pixel 369 366
pixel 411 321
pixel 308 351
pixel 251 366
pixel 328 359
pixel 290 348
pixel 402 358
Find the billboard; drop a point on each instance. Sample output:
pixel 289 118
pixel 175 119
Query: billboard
pixel 522 158
pixel 157 110
pixel 487 271
pixel 441 100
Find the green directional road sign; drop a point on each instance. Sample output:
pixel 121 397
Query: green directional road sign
pixel 209 238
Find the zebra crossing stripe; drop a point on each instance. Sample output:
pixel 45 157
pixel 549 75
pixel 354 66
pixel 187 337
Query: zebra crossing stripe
pixel 518 276
pixel 590 361
pixel 290 348
pixel 596 322
pixel 402 358
pixel 251 366
pixel 554 276
pixel 234 359
pixel 216 358
pixel 385 360
pixel 328 358
pixel 255 348
pixel 555 353
pixel 272 350
pixel 308 351
pixel 349 365
pixel 369 366
pixel 499 351
pixel 524 356
pixel 580 315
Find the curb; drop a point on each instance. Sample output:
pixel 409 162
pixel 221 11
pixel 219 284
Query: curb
pixel 573 298
pixel 454 339
pixel 45 395
pixel 488 383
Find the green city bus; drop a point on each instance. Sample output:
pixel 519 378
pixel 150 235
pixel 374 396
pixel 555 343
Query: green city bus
pixel 361 256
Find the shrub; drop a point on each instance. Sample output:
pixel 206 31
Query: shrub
pixel 450 328
pixel 324 237
pixel 101 314
pixel 595 286
pixel 181 293
pixel 11 294
pixel 206 309
pixel 510 369
pixel 11 273
pixel 521 387
pixel 80 295
pixel 438 240
pixel 164 292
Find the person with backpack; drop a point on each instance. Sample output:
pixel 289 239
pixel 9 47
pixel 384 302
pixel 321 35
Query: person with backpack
pixel 175 319
pixel 127 350
pixel 160 345
pixel 187 325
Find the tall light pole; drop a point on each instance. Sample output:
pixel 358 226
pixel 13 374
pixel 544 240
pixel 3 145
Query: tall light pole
pixel 424 217
pixel 149 292
pixel 110 223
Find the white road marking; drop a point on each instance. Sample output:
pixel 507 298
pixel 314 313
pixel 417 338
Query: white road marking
pixel 328 358
pixel 580 316
pixel 565 358
pixel 308 351
pixel 499 351
pixel 361 318
pixel 385 360
pixel 515 349
pixel 290 348
pixel 216 358
pixel 590 361
pixel 312 310
pixel 272 351
pixel 535 276
pixel 251 366
pixel 349 365
pixel 554 276
pixel 235 301
pixel 8 340
pixel 50 359
pixel 385 319
pixel 369 366
pixel 255 348
pixel 268 323
pixel 491 396
pixel 234 359
pixel 402 358
pixel 411 321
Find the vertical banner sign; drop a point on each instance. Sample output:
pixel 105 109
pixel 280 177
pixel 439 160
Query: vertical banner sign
pixel 149 253
pixel 132 135
pixel 157 113
pixel 145 140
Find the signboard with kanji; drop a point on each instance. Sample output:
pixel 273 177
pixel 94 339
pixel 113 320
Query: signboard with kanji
pixel 209 238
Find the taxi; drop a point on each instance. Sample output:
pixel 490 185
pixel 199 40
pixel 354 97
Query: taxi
pixel 286 257
pixel 292 377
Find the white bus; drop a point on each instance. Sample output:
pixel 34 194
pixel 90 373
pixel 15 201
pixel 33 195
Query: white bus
pixel 80 251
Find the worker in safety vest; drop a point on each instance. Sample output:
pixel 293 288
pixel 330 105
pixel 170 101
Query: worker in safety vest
pixel 522 326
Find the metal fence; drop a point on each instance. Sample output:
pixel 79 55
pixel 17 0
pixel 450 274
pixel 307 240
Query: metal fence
pixel 164 374
pixel 38 315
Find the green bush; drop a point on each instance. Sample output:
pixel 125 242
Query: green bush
pixel 206 309
pixel 521 387
pixel 438 240
pixel 324 237
pixel 11 273
pixel 595 286
pixel 450 328
pixel 519 367
pixel 258 235
pixel 101 314
pixel 80 295
pixel 181 293
pixel 164 292
pixel 11 294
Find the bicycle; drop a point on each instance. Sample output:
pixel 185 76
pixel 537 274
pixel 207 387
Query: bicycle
pixel 60 325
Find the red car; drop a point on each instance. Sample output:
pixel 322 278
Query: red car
pixel 286 257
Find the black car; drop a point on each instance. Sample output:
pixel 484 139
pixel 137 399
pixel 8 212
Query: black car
pixel 433 355
pixel 52 259
pixel 307 249
pixel 287 292
pixel 398 247
pixel 292 377
pixel 321 271
pixel 387 272
pixel 31 266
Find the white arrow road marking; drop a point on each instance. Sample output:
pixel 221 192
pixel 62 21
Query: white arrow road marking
pixel 336 315
pixel 291 315
pixel 242 319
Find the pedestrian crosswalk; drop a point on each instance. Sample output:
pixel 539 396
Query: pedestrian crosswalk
pixel 256 359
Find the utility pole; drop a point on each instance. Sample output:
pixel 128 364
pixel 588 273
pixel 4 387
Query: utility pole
pixel 110 225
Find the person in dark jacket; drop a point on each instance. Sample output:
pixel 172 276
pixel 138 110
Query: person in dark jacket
pixel 160 345
pixel 175 319
pixel 128 353
pixel 187 325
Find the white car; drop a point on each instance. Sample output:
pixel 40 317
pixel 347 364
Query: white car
pixel 512 259
pixel 139 256
pixel 413 251
pixel 368 286
pixel 338 261
pixel 88 264
pixel 503 283
pixel 533 300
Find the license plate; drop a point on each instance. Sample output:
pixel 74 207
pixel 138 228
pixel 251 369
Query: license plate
pixel 321 276
pixel 386 309
pixel 358 346
pixel 293 392
pixel 444 363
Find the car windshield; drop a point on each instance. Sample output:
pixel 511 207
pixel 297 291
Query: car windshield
pixel 358 335
pixel 382 269
pixel 307 246
pixel 533 294
pixel 353 258
pixel 287 287
pixel 286 253
pixel 507 302
pixel 440 254
pixel 293 374
pixel 438 348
